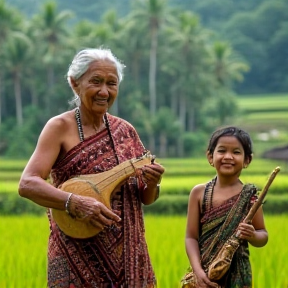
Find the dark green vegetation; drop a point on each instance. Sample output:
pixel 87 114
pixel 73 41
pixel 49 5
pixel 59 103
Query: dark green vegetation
pixel 257 30
pixel 188 65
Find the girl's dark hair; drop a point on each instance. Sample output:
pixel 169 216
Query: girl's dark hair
pixel 242 136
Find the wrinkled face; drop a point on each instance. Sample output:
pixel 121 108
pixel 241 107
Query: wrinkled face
pixel 228 156
pixel 98 87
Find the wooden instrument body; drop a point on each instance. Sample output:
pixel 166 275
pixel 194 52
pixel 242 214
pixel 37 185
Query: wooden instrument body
pixel 98 186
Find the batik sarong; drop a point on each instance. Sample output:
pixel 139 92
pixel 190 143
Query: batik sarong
pixel 115 257
pixel 220 223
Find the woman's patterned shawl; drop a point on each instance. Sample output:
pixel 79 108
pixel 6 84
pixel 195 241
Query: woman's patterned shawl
pixel 115 257
pixel 218 224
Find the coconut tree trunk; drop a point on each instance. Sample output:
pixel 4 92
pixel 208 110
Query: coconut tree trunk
pixel 182 111
pixel 163 145
pixel 191 119
pixel 51 83
pixel 1 90
pixel 152 71
pixel 18 98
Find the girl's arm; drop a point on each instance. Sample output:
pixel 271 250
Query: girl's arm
pixel 192 236
pixel 255 233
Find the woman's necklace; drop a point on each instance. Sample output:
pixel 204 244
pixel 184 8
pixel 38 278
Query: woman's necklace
pixel 107 125
pixel 79 124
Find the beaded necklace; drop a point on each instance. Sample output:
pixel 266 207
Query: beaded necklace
pixel 107 125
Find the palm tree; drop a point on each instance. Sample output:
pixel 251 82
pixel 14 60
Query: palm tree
pixel 166 125
pixel 51 30
pixel 187 67
pixel 18 50
pixel 9 20
pixel 150 14
pixel 227 67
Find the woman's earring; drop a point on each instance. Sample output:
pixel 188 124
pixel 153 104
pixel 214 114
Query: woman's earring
pixel 211 163
pixel 77 101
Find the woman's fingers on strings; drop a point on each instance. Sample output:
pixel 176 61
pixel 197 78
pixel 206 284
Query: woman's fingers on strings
pixel 100 221
pixel 151 175
pixel 108 214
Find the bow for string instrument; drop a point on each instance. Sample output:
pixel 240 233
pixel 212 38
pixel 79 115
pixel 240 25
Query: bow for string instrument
pixel 99 186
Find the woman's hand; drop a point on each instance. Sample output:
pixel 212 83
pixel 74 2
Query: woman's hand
pixel 152 174
pixel 91 210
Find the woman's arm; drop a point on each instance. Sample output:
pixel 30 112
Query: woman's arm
pixel 55 137
pixel 151 178
pixel 33 184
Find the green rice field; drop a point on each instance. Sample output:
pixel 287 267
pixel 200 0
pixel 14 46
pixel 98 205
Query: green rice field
pixel 264 102
pixel 23 245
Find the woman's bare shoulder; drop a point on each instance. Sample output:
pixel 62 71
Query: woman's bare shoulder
pixel 61 123
pixel 62 119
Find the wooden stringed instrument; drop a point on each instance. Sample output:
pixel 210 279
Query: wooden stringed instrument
pixel 99 186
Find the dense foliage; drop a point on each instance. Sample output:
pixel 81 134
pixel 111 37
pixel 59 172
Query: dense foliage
pixel 184 60
pixel 257 29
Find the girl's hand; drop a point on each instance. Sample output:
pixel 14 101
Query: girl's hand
pixel 203 281
pixel 246 231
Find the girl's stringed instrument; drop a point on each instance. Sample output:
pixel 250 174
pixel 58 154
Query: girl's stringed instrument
pixel 99 186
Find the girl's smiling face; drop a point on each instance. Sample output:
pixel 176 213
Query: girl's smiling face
pixel 228 156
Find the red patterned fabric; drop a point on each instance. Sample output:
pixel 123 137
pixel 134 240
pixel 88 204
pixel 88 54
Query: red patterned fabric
pixel 115 257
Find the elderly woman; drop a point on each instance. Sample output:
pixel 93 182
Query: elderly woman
pixel 89 140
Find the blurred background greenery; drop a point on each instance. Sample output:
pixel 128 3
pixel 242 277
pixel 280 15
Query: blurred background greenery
pixel 191 66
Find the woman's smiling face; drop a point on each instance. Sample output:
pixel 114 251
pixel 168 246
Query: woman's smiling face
pixel 98 87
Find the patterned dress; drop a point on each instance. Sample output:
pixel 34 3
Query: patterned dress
pixel 217 225
pixel 115 257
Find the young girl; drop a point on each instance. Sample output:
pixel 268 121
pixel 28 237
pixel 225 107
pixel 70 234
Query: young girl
pixel 216 210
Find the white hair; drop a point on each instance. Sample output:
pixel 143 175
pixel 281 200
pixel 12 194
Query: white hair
pixel 84 58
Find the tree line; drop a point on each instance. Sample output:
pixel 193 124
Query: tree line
pixel 179 78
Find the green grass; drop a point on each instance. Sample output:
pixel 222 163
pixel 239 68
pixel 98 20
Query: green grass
pixel 10 175
pixel 268 116
pixel 263 113
pixel 12 164
pixel 265 102
pixel 8 187
pixel 24 239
